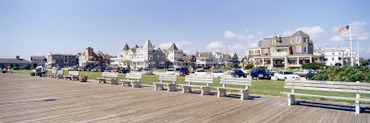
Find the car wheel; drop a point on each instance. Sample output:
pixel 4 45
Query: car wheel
pixel 285 78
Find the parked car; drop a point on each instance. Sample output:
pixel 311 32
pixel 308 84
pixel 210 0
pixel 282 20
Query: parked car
pixel 260 73
pixel 238 73
pixel 217 73
pixel 170 71
pixel 286 75
pixel 310 74
pixel 184 71
pixel 303 72
pixel 207 67
pixel 87 68
pixel 148 71
pixel 137 69
pixel 125 70
pixel 200 72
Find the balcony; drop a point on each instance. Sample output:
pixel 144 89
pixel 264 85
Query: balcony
pixel 279 53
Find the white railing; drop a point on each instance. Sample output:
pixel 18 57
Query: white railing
pixel 279 53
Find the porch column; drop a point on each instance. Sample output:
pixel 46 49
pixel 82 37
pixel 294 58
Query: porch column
pixel 310 59
pixel 263 61
pixel 297 60
pixel 272 62
pixel 285 62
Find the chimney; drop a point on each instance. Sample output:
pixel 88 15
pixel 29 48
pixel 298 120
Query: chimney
pixel 17 57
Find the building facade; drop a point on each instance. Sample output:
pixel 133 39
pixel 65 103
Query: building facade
pixel 283 52
pixel 175 57
pixel 91 58
pixel 14 62
pixel 61 60
pixel 212 59
pixel 39 60
pixel 336 56
pixel 141 57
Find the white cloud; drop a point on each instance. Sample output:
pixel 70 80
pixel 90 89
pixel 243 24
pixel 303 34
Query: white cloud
pixel 229 34
pixel 314 32
pixel 215 46
pixel 244 37
pixel 247 31
pixel 259 33
pixel 180 44
pixel 165 45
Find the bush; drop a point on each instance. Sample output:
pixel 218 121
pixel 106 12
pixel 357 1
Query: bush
pixel 314 66
pixel 249 66
pixel 345 73
pixel 26 67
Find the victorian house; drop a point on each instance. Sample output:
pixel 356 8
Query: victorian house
pixel 90 58
pixel 140 57
pixel 283 52
pixel 175 57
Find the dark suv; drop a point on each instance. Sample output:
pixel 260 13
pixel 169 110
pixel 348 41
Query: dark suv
pixel 238 73
pixel 260 73
pixel 184 71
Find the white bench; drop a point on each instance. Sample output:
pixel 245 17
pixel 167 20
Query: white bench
pixel 110 76
pixel 205 89
pixel 133 79
pixel 164 80
pixel 53 73
pixel 356 88
pixel 245 82
pixel 72 75
pixel 59 74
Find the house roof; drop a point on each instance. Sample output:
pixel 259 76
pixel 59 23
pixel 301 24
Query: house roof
pixel 285 42
pixel 14 61
pixel 203 54
pixel 300 33
pixel 126 47
pixel 235 56
pixel 173 47
pixel 265 43
pixel 148 44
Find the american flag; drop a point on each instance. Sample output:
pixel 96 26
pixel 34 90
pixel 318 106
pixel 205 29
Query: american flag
pixel 344 30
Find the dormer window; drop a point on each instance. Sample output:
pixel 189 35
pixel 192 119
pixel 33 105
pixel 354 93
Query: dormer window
pixel 273 42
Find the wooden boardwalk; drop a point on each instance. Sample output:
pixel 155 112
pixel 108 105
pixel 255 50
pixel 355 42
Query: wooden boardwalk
pixel 33 99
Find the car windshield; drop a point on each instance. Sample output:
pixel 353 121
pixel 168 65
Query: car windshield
pixel 238 71
pixel 170 70
pixel 288 72
pixel 261 70
pixel 201 71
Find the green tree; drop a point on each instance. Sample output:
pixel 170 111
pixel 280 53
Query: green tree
pixel 249 66
pixel 364 62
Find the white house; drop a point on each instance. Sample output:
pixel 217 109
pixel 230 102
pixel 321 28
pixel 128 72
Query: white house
pixel 336 56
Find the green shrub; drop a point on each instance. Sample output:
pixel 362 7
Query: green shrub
pixel 314 66
pixel 249 66
pixel 345 73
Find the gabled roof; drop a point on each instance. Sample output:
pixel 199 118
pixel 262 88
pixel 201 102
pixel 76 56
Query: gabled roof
pixel 265 43
pixel 235 56
pixel 148 44
pixel 285 42
pixel 203 54
pixel 300 33
pixel 126 47
pixel 173 47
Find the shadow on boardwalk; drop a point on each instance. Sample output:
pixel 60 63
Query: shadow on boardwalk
pixel 332 106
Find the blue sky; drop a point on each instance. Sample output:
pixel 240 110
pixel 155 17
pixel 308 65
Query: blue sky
pixel 37 27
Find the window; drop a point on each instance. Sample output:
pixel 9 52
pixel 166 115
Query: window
pixel 339 58
pixel 273 42
pixel 298 49
pixel 297 40
pixel 333 53
pixel 332 59
pixel 304 49
pixel 305 39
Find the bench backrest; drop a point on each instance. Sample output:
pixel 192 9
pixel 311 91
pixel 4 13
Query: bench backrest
pixel 60 72
pixel 199 79
pixel 74 73
pixel 236 81
pixel 349 87
pixel 172 78
pixel 134 76
pixel 110 74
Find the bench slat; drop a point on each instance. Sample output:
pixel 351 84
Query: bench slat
pixel 328 89
pixel 323 96
pixel 326 82
pixel 327 86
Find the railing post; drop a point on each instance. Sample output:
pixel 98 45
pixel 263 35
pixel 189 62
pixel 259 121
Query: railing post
pixel 357 101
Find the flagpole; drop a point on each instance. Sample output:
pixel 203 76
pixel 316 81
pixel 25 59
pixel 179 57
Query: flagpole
pixel 350 38
pixel 358 54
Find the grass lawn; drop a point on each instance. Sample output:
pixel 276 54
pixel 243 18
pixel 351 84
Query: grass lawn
pixel 261 87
